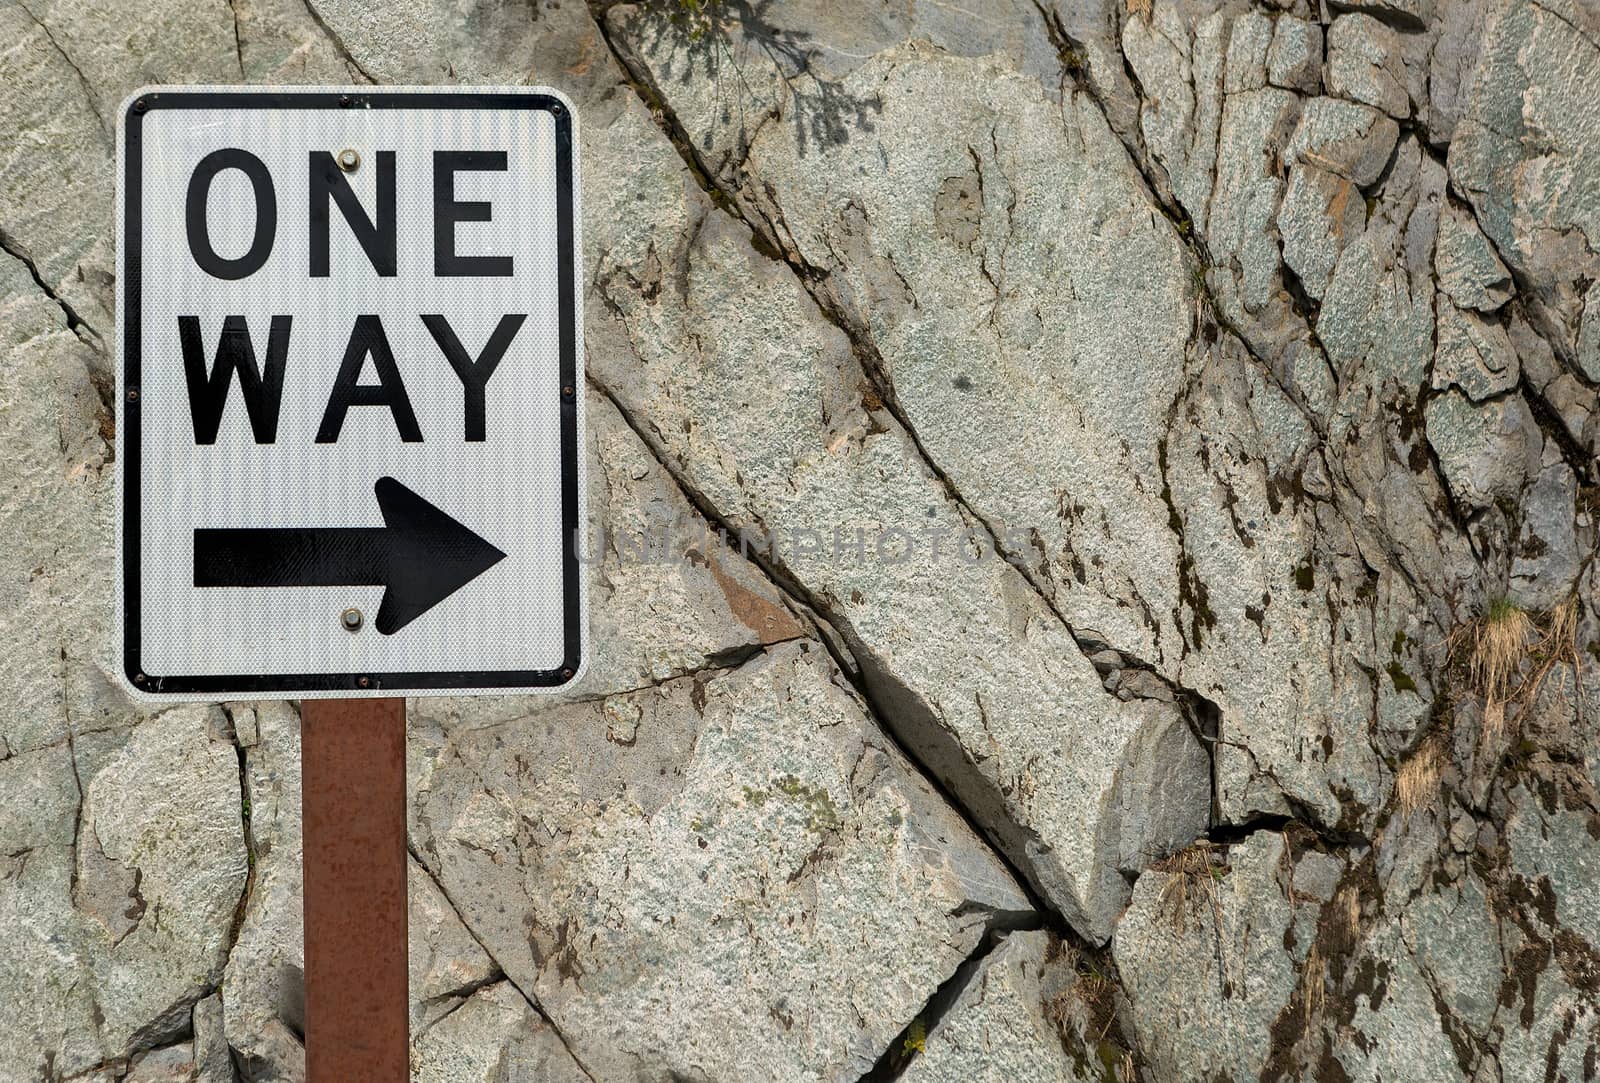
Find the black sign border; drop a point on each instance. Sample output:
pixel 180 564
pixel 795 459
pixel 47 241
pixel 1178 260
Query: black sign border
pixel 129 442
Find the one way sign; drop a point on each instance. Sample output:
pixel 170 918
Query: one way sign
pixel 350 401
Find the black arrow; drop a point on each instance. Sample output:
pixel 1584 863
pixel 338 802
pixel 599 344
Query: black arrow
pixel 420 556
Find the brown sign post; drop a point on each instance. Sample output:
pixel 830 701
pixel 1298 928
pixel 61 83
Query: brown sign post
pixel 353 801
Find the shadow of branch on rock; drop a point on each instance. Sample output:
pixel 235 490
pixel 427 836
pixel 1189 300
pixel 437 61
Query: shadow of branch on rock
pixel 706 35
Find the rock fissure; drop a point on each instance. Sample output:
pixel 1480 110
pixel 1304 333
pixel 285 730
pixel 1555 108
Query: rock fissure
pixel 885 715
pixel 532 1003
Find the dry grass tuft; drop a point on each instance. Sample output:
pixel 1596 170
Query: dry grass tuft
pixel 1192 875
pixel 1349 903
pixel 1141 8
pixel 1558 645
pixel 1417 781
pixel 1094 991
pixel 1087 1007
pixel 1313 982
pixel 1500 643
pixel 1508 654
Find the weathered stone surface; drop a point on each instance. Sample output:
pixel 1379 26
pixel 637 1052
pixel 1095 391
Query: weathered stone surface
pixel 720 846
pixel 49 947
pixel 1546 563
pixel 1409 14
pixel 1321 213
pixel 1398 1032
pixel 263 988
pixel 1473 354
pixel 1343 138
pixel 172 1064
pixel 56 196
pixel 1256 127
pixel 982 380
pixel 1486 451
pixel 854 466
pixel 1469 269
pixel 1209 952
pixel 1294 61
pixel 666 594
pixel 1012 1022
pixel 1364 64
pixel 161 818
pixel 94 978
pixel 1269 367
pixel 55 571
pixel 1454 59
pixel 494 1035
pixel 1525 155
pixel 1376 321
pixel 434 41
pixel 444 958
pixel 213 1062
pixel 1182 69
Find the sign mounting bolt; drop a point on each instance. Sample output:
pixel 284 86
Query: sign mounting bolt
pixel 349 160
pixel 351 619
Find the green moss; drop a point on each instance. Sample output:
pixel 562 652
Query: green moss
pixel 1110 1056
pixel 1402 682
pixel 754 796
pixel 1502 609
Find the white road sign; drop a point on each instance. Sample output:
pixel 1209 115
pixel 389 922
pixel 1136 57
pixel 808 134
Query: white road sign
pixel 350 399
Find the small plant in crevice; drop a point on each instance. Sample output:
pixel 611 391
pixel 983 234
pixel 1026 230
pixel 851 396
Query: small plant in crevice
pixel 1084 1012
pixel 1095 992
pixel 1192 876
pixel 916 1039
pixel 1499 645
pixel 1508 654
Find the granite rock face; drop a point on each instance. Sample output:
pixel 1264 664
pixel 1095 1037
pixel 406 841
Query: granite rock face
pixel 1021 1016
pixel 600 851
pixel 1093 516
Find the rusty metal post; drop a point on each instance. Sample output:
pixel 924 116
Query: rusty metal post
pixel 353 797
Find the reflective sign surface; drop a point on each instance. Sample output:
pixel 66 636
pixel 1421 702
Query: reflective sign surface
pixel 350 393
